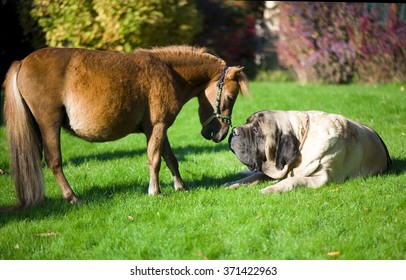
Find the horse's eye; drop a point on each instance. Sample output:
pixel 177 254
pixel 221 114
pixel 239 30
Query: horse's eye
pixel 230 98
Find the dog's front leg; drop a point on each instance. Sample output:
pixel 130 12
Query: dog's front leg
pixel 290 183
pixel 283 186
pixel 252 179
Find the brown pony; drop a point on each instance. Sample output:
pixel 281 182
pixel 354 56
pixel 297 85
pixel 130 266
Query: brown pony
pixel 103 96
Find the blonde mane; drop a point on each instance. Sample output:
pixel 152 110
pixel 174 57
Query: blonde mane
pixel 182 54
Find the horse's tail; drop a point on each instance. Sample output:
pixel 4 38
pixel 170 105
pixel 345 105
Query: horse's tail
pixel 25 145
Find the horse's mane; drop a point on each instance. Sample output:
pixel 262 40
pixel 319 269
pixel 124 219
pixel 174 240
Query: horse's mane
pixel 182 54
pixel 173 54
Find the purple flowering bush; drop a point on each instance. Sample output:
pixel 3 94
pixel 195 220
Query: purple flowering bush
pixel 381 46
pixel 342 42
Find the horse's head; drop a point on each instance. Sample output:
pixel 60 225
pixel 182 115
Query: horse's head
pixel 216 104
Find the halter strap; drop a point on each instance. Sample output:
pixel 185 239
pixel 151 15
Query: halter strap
pixel 216 113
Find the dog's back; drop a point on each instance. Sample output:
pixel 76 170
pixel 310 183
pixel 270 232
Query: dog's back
pixel 357 151
pixel 375 157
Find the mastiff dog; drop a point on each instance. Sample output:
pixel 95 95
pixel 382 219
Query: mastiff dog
pixel 308 148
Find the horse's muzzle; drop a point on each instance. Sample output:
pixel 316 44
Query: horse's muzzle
pixel 216 134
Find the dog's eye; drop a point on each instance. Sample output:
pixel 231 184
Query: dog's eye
pixel 255 129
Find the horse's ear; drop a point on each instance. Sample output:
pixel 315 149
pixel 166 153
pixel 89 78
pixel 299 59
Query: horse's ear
pixel 233 72
pixel 236 73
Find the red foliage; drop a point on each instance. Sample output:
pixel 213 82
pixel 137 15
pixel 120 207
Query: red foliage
pixel 335 42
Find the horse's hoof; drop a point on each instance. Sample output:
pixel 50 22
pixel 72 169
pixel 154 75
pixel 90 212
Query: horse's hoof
pixel 74 200
pixel 182 189
pixel 155 194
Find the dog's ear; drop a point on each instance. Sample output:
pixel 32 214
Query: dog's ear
pixel 287 149
pixel 280 151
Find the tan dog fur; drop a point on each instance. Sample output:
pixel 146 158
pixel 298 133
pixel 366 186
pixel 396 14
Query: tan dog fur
pixel 328 148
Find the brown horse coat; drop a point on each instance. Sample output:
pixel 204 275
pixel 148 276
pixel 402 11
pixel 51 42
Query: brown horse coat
pixel 103 96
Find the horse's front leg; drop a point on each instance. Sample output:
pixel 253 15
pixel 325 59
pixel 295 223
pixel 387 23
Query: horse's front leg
pixel 155 143
pixel 173 165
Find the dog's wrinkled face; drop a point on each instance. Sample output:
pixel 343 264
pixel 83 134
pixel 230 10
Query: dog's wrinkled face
pixel 248 142
pixel 265 143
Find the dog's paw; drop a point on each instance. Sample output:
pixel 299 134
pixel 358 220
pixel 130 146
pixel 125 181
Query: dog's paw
pixel 274 189
pixel 269 190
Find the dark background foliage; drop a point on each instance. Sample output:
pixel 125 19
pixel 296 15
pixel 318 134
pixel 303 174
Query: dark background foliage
pixel 340 42
pixel 229 29
pixel 12 43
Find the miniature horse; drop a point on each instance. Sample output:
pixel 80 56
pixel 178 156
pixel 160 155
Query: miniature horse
pixel 103 96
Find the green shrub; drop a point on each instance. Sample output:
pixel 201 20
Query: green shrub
pixel 116 25
pixel 277 76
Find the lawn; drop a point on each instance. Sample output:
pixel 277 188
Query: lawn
pixel 363 218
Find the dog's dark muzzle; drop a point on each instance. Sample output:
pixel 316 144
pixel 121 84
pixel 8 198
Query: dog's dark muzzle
pixel 232 139
pixel 240 146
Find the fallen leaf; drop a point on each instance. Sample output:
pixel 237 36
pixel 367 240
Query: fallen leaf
pixel 47 234
pixel 202 256
pixel 334 254
pixel 130 218
pixel 336 189
pixel 17 246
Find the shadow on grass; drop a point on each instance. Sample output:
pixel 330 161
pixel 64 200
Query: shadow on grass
pixel 99 195
pixel 398 167
pixel 180 153
pixel 56 206
pixel 51 207
pixel 102 194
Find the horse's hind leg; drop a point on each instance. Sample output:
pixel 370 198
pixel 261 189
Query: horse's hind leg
pixel 53 158
pixel 173 165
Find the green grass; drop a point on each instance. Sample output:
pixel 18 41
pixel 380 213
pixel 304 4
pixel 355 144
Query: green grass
pixel 360 218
